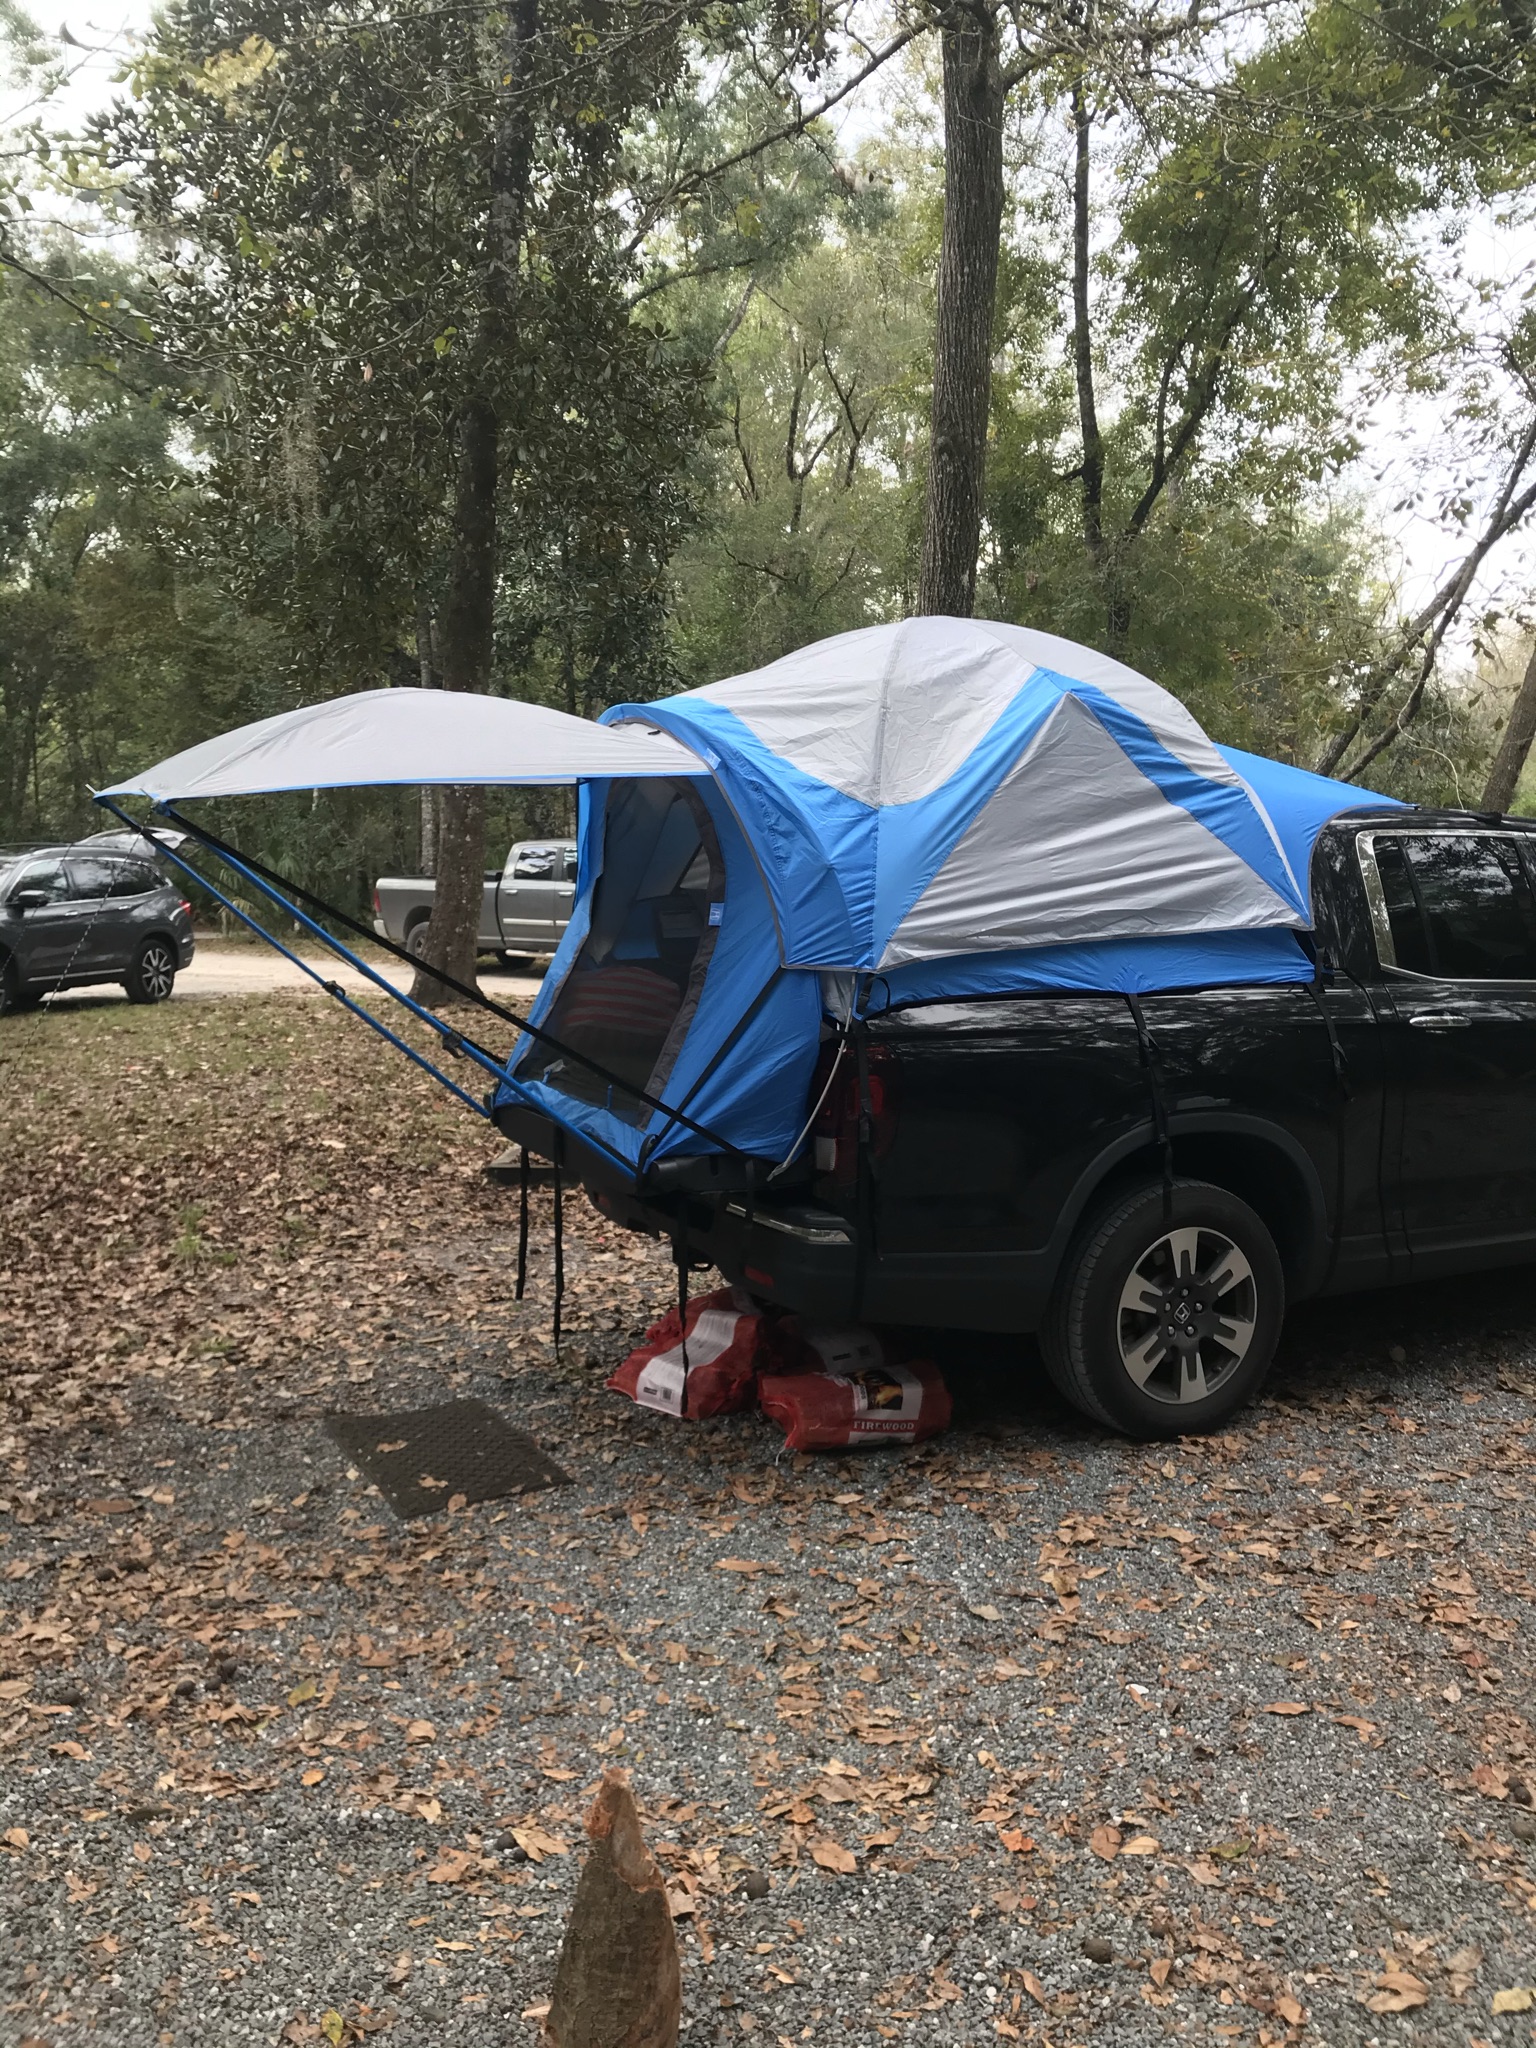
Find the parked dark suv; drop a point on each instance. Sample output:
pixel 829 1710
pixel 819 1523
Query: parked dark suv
pixel 71 915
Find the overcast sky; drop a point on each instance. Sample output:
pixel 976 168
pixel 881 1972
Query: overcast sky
pixel 1407 442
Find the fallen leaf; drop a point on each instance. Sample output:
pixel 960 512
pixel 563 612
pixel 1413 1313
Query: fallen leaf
pixel 1015 1841
pixel 1162 1968
pixel 420 1731
pixel 1363 1728
pixel 536 2012
pixel 1033 1986
pixel 1288 1707
pixel 1105 1842
pixel 833 1856
pixel 1231 1852
pixel 983 1613
pixel 15 1838
pixel 1518 1998
pixel 333 2026
pixel 1141 1845
pixel 1398 1991
pixel 304 1690
pixel 742 1564
pixel 1491 1781
pixel 536 1844
pixel 311 1777
pixel 1289 2010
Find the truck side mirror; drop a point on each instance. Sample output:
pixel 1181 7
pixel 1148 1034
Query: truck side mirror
pixel 31 899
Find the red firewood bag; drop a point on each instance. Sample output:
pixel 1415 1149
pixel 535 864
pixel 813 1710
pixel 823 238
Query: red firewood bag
pixel 725 1339
pixel 850 1394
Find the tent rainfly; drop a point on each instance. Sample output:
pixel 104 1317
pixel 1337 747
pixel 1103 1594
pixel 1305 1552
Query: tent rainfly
pixel 909 813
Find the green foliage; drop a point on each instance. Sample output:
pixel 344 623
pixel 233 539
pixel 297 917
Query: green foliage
pixel 227 471
pixel 336 281
pixel 108 645
pixel 813 477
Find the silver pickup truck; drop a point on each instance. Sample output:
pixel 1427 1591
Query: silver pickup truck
pixel 524 907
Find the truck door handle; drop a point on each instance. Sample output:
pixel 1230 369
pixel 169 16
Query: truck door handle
pixel 1439 1020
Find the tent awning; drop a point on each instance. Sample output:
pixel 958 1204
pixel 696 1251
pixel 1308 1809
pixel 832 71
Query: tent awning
pixel 411 738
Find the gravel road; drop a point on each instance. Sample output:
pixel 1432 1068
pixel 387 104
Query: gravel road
pixel 222 969
pixel 1027 1734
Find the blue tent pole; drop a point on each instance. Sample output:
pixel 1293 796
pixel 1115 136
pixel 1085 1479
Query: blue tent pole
pixel 331 988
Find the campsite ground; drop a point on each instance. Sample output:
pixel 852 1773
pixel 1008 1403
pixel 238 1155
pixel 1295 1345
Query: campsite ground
pixel 1252 1716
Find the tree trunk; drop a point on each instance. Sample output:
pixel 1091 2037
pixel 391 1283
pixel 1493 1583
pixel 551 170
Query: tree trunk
pixel 618 1983
pixel 466 649
pixel 1519 731
pixel 962 360
pixel 1082 332
pixel 427 669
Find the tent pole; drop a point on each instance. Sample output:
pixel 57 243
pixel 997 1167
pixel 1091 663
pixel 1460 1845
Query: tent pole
pixel 269 883
pixel 331 988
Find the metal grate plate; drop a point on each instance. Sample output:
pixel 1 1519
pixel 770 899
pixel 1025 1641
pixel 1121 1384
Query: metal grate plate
pixel 422 1458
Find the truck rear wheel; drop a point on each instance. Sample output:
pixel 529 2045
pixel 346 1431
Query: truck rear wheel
pixel 1165 1318
pixel 416 938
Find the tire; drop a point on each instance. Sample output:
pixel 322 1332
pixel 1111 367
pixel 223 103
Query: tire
pixel 416 938
pixel 513 963
pixel 1131 1278
pixel 153 974
pixel 11 996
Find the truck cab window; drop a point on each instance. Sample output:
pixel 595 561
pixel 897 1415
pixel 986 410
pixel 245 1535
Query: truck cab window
pixel 1459 905
pixel 536 864
pixel 631 991
pixel 1403 913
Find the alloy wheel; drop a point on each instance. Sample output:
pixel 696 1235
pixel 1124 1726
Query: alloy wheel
pixel 157 972
pixel 1187 1314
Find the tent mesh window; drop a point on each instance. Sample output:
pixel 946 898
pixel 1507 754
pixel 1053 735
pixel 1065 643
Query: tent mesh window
pixel 630 994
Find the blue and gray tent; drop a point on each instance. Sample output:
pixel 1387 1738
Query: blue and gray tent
pixel 919 812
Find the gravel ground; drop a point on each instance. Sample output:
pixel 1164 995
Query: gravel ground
pixel 1025 1734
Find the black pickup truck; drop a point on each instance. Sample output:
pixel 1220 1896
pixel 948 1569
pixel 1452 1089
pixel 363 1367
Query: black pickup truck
pixel 1147 1184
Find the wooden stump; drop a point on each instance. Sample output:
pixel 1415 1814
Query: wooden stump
pixel 618 1983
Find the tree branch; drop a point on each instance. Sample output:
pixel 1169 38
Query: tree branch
pixel 691 180
pixel 1082 336
pixel 1443 607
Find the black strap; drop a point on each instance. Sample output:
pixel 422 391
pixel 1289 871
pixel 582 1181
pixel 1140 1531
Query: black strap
pixel 1336 1051
pixel 681 1257
pixel 559 1247
pixel 864 1247
pixel 522 1220
pixel 1147 1049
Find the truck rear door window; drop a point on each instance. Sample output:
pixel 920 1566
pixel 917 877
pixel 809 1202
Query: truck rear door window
pixel 1459 905
pixel 632 989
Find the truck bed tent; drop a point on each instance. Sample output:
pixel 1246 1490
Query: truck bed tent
pixel 938 808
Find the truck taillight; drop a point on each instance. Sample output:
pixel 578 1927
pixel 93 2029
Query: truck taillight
pixel 835 1132
pixel 186 908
